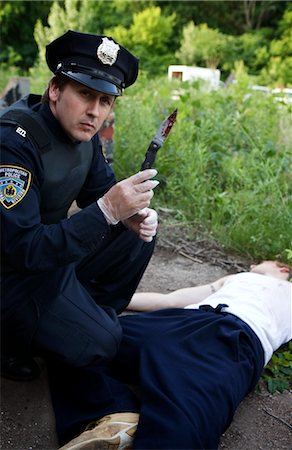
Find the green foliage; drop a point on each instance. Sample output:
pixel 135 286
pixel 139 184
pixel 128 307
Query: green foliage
pixel 283 46
pixel 60 19
pixel 230 17
pixel 148 37
pixel 249 48
pixel 264 55
pixel 289 255
pixel 158 32
pixel 278 64
pixel 84 16
pixel 225 167
pixel 203 46
pixel 17 20
pixel 278 373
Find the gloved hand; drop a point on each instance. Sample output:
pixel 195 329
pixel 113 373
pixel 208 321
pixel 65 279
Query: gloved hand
pixel 129 196
pixel 144 223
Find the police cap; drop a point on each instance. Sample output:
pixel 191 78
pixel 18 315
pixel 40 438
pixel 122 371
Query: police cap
pixel 95 61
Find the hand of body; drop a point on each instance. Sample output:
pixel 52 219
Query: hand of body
pixel 128 197
pixel 144 223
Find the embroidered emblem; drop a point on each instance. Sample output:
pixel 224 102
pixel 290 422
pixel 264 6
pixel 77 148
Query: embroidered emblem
pixel 107 51
pixel 21 131
pixel 14 184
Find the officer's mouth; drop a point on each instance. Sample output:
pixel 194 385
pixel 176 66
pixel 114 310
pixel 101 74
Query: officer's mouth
pixel 88 126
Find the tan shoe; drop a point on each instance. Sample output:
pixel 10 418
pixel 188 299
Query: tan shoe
pixel 112 432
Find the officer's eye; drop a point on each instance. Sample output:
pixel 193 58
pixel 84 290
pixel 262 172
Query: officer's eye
pixel 85 93
pixel 106 100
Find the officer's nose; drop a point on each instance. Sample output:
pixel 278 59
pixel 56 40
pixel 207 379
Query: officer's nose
pixel 94 108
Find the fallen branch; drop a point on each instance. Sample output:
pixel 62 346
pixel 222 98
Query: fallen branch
pixel 207 250
pixel 186 255
pixel 278 418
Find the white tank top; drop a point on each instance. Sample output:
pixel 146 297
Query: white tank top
pixel 261 301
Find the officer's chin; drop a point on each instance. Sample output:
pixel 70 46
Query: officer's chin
pixel 82 136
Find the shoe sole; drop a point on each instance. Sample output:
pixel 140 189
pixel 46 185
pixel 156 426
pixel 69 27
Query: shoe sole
pixel 121 441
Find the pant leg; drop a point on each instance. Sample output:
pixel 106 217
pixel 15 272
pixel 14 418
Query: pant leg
pixel 86 394
pixel 195 368
pixel 71 328
pixel 112 274
pixel 60 320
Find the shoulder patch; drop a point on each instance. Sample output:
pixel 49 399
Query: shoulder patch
pixel 14 185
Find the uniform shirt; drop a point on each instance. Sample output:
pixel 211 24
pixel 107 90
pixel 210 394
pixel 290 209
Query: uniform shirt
pixel 263 302
pixel 30 246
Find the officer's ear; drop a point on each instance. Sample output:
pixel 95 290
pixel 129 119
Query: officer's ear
pixel 53 91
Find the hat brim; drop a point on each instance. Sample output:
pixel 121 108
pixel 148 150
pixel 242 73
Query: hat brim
pixel 96 84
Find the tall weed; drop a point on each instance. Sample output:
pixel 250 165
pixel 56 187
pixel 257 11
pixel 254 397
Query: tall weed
pixel 226 165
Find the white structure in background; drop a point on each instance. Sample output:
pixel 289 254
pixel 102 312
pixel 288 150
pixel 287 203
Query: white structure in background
pixel 188 73
pixel 283 95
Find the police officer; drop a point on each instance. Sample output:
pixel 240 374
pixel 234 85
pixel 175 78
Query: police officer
pixel 64 280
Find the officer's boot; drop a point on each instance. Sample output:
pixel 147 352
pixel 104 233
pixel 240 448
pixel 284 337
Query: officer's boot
pixel 19 368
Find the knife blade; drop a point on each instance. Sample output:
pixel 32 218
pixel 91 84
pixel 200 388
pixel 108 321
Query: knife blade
pixel 158 140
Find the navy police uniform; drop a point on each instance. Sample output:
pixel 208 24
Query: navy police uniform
pixel 64 279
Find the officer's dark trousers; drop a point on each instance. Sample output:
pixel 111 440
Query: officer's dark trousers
pixel 70 313
pixel 193 368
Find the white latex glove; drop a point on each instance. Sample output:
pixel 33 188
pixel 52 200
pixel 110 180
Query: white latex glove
pixel 144 223
pixel 128 197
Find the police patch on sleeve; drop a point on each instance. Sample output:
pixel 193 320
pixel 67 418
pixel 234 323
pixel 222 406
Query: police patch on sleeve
pixel 14 185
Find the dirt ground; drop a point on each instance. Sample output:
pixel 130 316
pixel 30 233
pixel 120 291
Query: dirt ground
pixel 262 421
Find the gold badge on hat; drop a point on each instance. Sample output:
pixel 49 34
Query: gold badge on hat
pixel 107 51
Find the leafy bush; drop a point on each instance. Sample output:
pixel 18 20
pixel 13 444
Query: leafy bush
pixel 148 37
pixel 278 68
pixel 226 165
pixel 278 373
pixel 203 46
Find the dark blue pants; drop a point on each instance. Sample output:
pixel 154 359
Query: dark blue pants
pixel 193 368
pixel 70 314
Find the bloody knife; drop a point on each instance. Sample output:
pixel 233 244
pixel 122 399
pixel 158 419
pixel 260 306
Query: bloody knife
pixel 158 140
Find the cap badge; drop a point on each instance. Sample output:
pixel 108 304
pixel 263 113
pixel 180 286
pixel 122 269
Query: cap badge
pixel 107 51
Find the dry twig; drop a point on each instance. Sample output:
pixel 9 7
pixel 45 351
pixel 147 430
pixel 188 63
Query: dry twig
pixel 278 418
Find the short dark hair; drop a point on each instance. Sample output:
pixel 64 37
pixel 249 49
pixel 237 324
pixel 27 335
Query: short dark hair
pixel 60 80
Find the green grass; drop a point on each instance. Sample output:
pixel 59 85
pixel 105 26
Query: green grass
pixel 225 167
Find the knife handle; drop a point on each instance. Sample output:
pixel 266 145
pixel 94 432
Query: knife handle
pixel 150 156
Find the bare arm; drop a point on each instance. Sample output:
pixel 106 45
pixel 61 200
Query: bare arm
pixel 152 301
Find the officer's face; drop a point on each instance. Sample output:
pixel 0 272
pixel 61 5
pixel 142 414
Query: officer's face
pixel 81 111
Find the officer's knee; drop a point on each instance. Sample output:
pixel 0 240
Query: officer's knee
pixel 78 346
pixel 101 347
